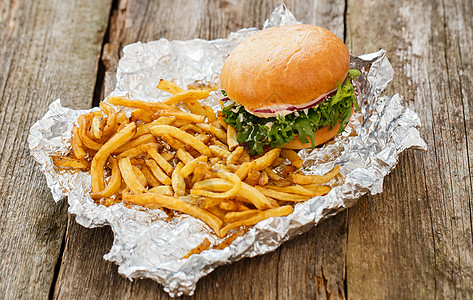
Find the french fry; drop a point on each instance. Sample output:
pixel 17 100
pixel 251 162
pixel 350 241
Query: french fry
pixel 205 245
pixel 167 156
pixel 184 156
pixel 227 205
pixel 263 179
pixel 230 239
pixel 246 191
pixel 77 146
pixel 111 123
pixel 190 166
pixel 210 113
pixel 177 181
pixel 177 204
pixel 199 172
pixel 113 184
pixel 219 133
pixel 317 190
pixel 86 141
pixel 244 169
pixel 161 161
pixel 129 176
pixel 138 150
pixel 235 155
pixel 211 202
pixel 240 215
pixel 172 142
pixel 144 128
pixel 137 161
pixel 263 215
pixel 231 138
pixel 217 212
pixel 195 107
pixel 100 158
pixel 192 104
pixel 169 86
pixel 191 127
pixel 149 176
pixel 138 103
pixel 292 156
pixel 222 122
pixel 144 139
pixel 158 172
pixel 122 120
pixel 97 127
pixel 282 195
pixel 315 179
pixel 180 115
pixel 245 156
pixel 220 166
pixel 162 190
pixel 202 86
pixel 182 136
pixel 267 159
pixel 271 174
pixel 230 177
pixel 186 95
pixel 242 207
pixel 69 162
pixel 278 161
pixel 219 151
pixel 141 177
pixel 253 177
pixel 141 114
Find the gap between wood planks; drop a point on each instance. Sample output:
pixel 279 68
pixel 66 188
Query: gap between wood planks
pixel 95 102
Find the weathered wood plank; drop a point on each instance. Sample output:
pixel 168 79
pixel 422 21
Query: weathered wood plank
pixel 415 239
pixel 304 267
pixel 48 49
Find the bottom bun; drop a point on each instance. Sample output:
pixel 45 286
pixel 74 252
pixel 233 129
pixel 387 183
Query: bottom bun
pixel 322 135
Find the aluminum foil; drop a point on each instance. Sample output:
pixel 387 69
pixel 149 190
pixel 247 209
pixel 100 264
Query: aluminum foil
pixel 145 245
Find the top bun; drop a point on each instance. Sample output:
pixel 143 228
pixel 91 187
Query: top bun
pixel 292 64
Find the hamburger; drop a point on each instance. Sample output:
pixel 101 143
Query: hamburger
pixel 288 87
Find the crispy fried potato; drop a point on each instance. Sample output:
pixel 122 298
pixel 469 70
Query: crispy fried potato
pixel 205 245
pixel 113 184
pixel 246 191
pixel 263 215
pixel 138 104
pixel 69 162
pixel 100 158
pixel 182 136
pixel 315 179
pixel 292 156
pixel 176 204
pixel 129 176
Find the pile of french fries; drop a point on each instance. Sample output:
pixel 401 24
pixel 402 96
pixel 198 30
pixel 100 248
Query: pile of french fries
pixel 185 160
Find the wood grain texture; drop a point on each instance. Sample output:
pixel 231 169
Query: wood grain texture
pixel 306 267
pixel 46 51
pixel 415 239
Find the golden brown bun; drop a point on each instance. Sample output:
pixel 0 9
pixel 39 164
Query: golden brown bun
pixel 322 135
pixel 290 64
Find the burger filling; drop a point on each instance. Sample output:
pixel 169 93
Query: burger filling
pixel 257 132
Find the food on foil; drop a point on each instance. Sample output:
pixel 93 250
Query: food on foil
pixel 186 160
pixel 288 86
pixel 151 242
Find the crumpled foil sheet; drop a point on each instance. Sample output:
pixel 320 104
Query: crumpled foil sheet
pixel 147 246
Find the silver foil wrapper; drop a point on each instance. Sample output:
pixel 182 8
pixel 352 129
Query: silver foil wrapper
pixel 145 245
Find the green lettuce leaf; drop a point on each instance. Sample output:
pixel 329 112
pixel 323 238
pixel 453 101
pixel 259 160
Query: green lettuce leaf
pixel 257 132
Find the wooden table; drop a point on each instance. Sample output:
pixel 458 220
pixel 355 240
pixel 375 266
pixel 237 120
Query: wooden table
pixel 412 241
